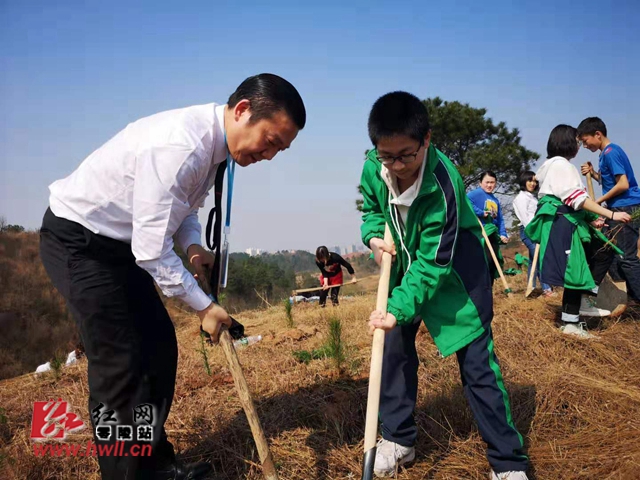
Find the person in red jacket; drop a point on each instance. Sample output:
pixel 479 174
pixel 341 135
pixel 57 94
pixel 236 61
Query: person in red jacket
pixel 330 264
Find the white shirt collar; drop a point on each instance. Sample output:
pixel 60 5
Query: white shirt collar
pixel 219 146
pixel 409 195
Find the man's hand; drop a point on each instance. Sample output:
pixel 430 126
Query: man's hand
pixel 212 319
pixel 378 320
pixel 599 223
pixel 378 247
pixel 353 279
pixel 586 168
pixel 201 260
pixel 504 239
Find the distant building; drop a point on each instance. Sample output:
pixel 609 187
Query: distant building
pixel 252 252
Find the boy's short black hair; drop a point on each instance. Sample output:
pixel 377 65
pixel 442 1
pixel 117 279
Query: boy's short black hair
pixel 398 113
pixel 268 94
pixel 322 253
pixel 488 173
pixel 591 125
pixel 563 142
pixel 525 177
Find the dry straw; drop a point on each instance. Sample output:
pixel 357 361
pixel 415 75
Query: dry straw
pixel 576 402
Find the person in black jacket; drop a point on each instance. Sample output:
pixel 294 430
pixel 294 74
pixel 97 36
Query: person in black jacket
pixel 330 264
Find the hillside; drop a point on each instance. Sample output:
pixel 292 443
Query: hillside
pixel 576 402
pixel 37 328
pixel 34 321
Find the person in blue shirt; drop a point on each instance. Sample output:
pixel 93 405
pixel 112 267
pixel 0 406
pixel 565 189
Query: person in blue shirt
pixel 620 192
pixel 488 209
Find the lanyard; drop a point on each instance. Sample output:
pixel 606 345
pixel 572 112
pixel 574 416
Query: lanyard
pixel 230 174
pixel 224 265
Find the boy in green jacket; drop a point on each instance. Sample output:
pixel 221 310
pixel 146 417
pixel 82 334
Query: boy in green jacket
pixel 440 276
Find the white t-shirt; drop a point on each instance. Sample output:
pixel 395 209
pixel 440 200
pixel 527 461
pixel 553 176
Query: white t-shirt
pixel 559 178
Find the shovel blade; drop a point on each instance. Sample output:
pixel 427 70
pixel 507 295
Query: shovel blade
pixel 367 464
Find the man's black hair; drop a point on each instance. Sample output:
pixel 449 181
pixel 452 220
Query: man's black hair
pixel 525 177
pixel 591 125
pixel 398 113
pixel 563 142
pixel 268 94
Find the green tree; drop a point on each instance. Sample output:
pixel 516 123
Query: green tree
pixel 8 228
pixel 474 143
pixel 359 201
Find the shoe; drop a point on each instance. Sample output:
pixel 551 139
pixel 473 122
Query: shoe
pixel 509 476
pixel 578 329
pixel 389 456
pixel 549 293
pixel 184 471
pixel 588 308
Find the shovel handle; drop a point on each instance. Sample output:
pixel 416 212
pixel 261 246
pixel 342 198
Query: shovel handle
pixel 268 468
pixel 532 270
pixel 590 187
pixel 377 349
pixel 507 290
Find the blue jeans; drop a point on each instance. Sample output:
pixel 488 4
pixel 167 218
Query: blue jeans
pixel 532 248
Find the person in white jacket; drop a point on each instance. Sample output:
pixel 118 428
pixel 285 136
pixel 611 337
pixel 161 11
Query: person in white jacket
pixel 524 206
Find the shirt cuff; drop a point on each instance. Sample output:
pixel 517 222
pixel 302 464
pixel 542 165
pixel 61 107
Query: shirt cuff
pixel 401 319
pixel 189 238
pixel 196 299
pixel 367 238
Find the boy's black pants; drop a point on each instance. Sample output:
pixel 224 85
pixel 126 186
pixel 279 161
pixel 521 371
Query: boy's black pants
pixel 483 388
pixel 626 238
pixel 128 336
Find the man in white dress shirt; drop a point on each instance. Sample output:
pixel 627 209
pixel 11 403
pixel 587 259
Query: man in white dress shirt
pixel 109 234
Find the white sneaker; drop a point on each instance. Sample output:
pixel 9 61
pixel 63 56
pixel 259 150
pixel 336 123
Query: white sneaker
pixel 509 476
pixel 389 456
pixel 588 308
pixel 577 329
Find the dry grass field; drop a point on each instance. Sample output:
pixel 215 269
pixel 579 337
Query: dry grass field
pixel 576 402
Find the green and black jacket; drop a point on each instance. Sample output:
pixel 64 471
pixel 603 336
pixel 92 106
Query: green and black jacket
pixel 447 283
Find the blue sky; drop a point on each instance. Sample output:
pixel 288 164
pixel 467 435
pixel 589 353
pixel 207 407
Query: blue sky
pixel 72 74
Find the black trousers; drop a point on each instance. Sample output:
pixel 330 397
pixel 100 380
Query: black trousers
pixel 626 238
pixel 334 296
pixel 599 257
pixel 483 388
pixel 493 269
pixel 128 336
